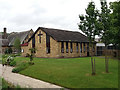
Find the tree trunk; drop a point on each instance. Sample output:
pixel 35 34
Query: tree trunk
pixel 92 61
pixel 94 65
pixel 106 59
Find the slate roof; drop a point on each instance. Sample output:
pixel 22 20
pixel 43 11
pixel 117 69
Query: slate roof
pixel 12 36
pixel 63 35
pixel 20 35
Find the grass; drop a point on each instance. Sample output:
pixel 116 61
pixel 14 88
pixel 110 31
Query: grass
pixel 8 86
pixel 73 72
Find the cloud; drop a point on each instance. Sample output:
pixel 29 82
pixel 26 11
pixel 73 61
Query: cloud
pixel 20 15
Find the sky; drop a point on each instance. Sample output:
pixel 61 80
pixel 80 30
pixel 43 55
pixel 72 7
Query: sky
pixel 23 15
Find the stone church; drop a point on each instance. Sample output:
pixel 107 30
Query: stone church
pixel 56 43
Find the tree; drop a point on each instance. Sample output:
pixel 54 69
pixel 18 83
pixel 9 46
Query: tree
pixel 17 44
pixel 106 24
pixel 9 50
pixel 115 31
pixel 90 26
pixel 31 55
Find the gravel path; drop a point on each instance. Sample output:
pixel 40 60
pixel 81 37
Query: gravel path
pixel 23 81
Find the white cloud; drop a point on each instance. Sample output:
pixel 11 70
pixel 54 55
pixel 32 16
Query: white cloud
pixel 21 15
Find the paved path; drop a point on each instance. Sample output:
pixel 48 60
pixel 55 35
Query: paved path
pixel 23 81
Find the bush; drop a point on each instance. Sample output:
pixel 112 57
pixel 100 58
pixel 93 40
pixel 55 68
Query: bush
pixel 13 55
pixel 8 50
pixel 13 63
pixel 21 67
pixel 18 54
pixel 4 59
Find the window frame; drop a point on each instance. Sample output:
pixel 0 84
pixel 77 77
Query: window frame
pixel 47 43
pixel 81 47
pixel 84 47
pixel 67 50
pixel 71 47
pixel 77 47
pixel 62 47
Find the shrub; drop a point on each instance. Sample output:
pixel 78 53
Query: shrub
pixel 21 67
pixel 18 54
pixel 13 63
pixel 13 55
pixel 10 50
pixel 9 59
pixel 4 59
pixel 6 51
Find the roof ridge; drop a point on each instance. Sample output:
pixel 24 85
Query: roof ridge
pixel 20 32
pixel 58 29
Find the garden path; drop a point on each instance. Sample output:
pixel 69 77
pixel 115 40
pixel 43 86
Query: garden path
pixel 23 81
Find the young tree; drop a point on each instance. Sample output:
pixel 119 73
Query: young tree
pixel 17 44
pixel 106 24
pixel 115 31
pixel 90 26
pixel 31 55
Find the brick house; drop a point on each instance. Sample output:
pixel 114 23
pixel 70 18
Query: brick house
pixel 7 39
pixel 57 43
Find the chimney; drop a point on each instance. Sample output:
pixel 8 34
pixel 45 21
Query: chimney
pixel 5 34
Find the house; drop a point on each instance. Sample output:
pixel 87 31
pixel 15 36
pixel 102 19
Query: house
pixel 3 40
pixel 111 49
pixel 56 43
pixel 100 48
pixel 7 40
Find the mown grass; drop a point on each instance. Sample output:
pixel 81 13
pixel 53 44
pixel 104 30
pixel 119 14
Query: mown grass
pixel 73 72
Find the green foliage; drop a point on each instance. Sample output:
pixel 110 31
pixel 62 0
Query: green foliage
pixel 13 63
pixel 20 67
pixel 8 60
pixel 17 44
pixel 106 23
pixel 9 86
pixel 89 23
pixel 4 57
pixel 8 50
pixel 6 85
pixel 32 51
pixel 115 29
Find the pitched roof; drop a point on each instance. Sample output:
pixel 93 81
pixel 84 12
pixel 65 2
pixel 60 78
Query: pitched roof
pixel 63 35
pixel 20 35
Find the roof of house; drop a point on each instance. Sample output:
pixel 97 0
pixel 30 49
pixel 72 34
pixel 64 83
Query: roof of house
pixel 12 37
pixel 20 35
pixel 63 35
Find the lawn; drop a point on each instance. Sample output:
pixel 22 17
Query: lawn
pixel 73 72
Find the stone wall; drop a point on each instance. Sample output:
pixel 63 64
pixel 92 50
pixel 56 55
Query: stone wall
pixel 25 49
pixel 41 47
pixel 74 53
pixel 55 48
